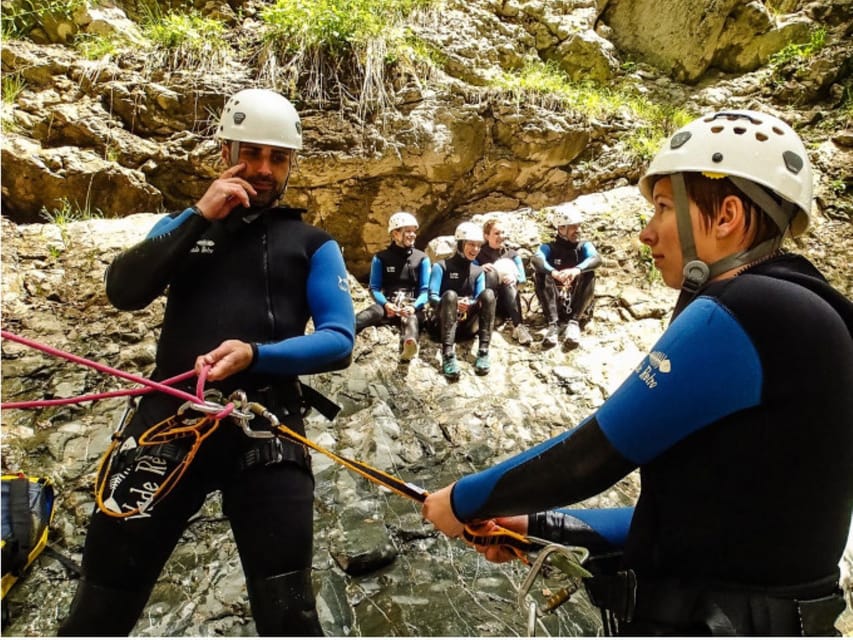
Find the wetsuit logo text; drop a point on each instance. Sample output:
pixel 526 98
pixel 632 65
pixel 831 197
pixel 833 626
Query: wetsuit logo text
pixel 203 246
pixel 658 363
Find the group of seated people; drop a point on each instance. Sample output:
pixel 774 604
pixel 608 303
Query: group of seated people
pixel 459 297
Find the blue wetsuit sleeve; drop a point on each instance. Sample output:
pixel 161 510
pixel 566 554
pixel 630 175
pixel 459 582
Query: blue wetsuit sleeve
pixel 703 368
pixel 479 284
pixel 589 257
pixel 599 530
pixel 375 284
pixel 435 283
pixel 423 283
pixel 142 272
pixel 541 259
pixel 167 224
pixel 522 277
pixel 331 344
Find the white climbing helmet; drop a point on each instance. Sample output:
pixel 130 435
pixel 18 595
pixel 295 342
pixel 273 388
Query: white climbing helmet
pixel 469 232
pixel 261 116
pixel 402 219
pixel 741 144
pixel 565 214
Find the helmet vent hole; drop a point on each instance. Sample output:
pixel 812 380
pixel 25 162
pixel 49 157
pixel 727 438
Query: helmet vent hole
pixel 679 139
pixel 717 157
pixel 740 131
pixel 717 129
pixel 778 131
pixel 760 136
pixel 793 161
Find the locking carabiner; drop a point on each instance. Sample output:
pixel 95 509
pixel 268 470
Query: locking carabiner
pixel 248 410
pixel 570 562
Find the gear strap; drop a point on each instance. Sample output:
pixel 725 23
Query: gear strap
pixel 724 609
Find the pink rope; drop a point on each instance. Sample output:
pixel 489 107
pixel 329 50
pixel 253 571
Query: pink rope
pixel 36 404
pixel 150 385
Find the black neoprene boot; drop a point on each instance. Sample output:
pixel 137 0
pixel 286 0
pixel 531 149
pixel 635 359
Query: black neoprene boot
pixel 284 605
pixel 102 611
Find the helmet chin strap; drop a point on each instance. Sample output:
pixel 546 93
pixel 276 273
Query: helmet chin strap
pixel 696 272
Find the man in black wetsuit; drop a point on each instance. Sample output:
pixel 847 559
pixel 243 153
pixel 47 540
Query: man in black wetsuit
pixel 740 419
pixel 565 277
pixel 399 277
pixel 462 304
pixel 244 276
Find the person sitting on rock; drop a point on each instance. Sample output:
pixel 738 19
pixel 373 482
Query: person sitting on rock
pixel 565 277
pixel 504 272
pixel 462 304
pixel 399 279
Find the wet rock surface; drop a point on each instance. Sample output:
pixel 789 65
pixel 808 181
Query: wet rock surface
pixel 378 568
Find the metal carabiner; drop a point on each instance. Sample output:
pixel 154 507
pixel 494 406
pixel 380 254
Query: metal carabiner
pixel 572 566
pixel 212 403
pixel 247 411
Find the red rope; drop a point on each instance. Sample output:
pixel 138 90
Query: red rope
pixel 149 385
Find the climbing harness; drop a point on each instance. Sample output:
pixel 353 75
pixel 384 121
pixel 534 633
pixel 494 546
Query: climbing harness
pixel 173 442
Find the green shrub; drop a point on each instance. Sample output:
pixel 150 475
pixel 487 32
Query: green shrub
pixel 185 40
pixel 334 25
pixel 794 52
pixel 19 17
pixel 12 85
pixel 95 47
pixel 546 83
pixel 68 212
pixel 338 48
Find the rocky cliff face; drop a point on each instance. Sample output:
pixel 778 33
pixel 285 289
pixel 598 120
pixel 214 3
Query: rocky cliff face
pixel 116 136
pixel 130 131
pixel 378 569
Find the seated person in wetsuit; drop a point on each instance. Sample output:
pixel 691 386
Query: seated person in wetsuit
pixel 399 277
pixel 739 418
pixel 565 277
pixel 462 304
pixel 504 272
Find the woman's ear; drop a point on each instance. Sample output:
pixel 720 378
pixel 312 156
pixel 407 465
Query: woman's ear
pixel 731 218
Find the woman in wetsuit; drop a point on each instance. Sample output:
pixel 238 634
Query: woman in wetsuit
pixel 739 419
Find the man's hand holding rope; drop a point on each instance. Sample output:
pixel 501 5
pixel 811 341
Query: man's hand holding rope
pixel 230 357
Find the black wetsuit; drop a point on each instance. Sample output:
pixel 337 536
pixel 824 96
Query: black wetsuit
pixel 397 271
pixel 562 254
pixel 508 303
pixel 451 279
pixel 258 278
pixel 741 422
